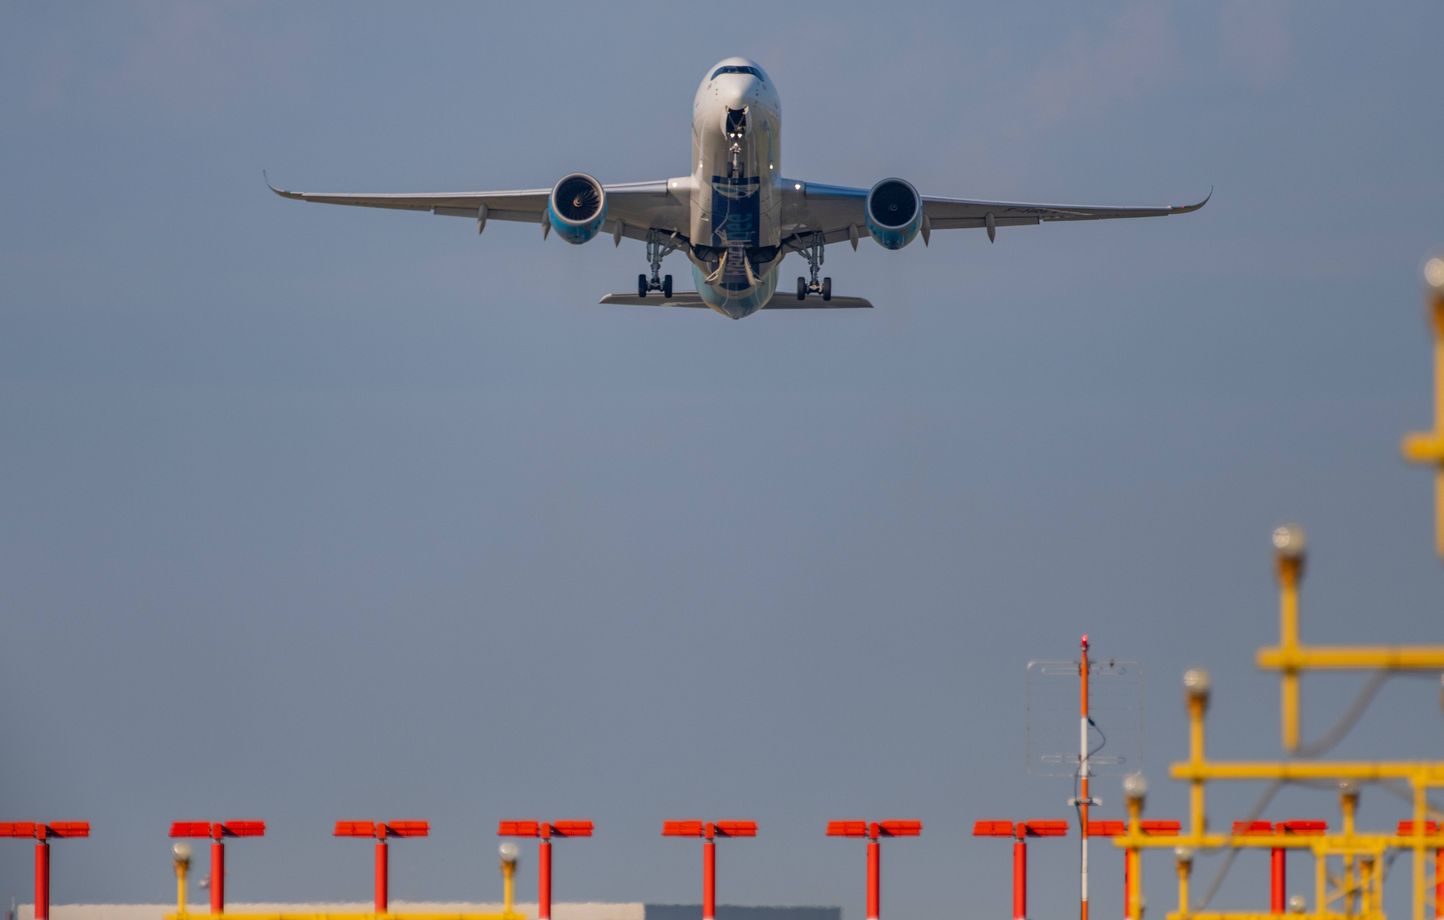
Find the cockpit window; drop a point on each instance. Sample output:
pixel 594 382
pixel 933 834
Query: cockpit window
pixel 736 68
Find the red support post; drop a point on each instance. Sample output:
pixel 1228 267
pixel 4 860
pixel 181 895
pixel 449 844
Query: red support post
pixel 1278 880
pixel 709 877
pixel 382 874
pixel 544 877
pixel 1020 877
pixel 218 875
pixel 874 878
pixel 42 878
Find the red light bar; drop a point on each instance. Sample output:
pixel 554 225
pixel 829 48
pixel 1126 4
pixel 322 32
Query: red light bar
pixel 847 828
pixel 218 829
pixel 380 830
pixel 900 828
pixel 992 828
pixel 407 828
pixel 735 828
pixel 1046 828
pixel 1106 829
pixel 1303 827
pixel 518 829
pixel 572 828
pixel 681 828
pixel 1159 828
pixel 1406 828
pixel 40 831
pixel 244 828
pixel 70 828
pixel 355 829
pixel 1252 827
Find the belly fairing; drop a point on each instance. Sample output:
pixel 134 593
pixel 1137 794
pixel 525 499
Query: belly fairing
pixel 730 300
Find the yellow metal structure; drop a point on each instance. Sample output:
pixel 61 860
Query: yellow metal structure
pixel 1428 446
pixel 1355 891
pixel 508 911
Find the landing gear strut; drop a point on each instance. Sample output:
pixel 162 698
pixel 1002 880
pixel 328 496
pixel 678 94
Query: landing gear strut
pixel 812 250
pixel 658 248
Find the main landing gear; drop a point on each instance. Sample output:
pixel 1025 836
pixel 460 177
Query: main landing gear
pixel 658 248
pixel 812 250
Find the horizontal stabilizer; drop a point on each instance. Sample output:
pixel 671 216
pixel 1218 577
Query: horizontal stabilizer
pixel 780 302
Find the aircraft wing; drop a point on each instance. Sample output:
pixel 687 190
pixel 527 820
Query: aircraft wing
pixel 633 208
pixel 838 211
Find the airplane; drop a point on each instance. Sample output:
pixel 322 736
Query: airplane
pixel 734 216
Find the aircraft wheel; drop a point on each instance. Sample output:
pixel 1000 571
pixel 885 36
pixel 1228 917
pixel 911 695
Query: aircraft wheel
pixel 801 288
pixel 641 285
pixel 667 286
pixel 826 288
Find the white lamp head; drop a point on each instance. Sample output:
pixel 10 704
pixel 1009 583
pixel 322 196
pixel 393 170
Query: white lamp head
pixel 1135 787
pixel 1290 541
pixel 181 853
pixel 1434 273
pixel 1197 682
pixel 508 852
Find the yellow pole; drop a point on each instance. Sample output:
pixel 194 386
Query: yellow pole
pixel 1421 813
pixel 508 886
pixel 1197 703
pixel 1290 569
pixel 1135 828
pixel 1437 315
pixel 180 886
pixel 1321 884
pixel 1348 806
pixel 1184 863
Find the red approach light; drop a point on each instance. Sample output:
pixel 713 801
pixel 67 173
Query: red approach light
pixel 735 828
pixel 1308 828
pixel 381 830
pixel 992 828
pixel 1045 828
pixel 1241 828
pixel 543 829
pixel 847 828
pixel 682 828
pixel 1406 828
pixel 1106 829
pixel 218 829
pixel 40 830
pixel 1159 828
pixel 898 828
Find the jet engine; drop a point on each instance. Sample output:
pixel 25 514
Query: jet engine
pixel 577 207
pixel 894 213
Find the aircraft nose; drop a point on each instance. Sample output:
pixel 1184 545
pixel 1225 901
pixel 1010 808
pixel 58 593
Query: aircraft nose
pixel 736 92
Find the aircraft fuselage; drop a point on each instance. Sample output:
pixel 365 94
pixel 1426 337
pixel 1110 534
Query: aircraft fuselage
pixel 736 196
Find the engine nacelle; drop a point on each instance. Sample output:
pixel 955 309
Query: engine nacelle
pixel 894 213
pixel 577 207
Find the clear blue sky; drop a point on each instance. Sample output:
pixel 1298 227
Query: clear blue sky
pixel 315 513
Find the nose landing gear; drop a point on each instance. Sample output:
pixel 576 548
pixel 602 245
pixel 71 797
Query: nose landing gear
pixel 812 251
pixel 658 248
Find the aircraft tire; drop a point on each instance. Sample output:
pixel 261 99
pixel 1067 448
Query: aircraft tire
pixel 801 288
pixel 667 286
pixel 641 285
pixel 826 288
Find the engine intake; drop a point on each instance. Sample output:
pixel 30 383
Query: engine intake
pixel 577 207
pixel 894 213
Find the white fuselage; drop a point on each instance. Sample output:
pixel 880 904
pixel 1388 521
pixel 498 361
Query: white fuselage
pixel 736 203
